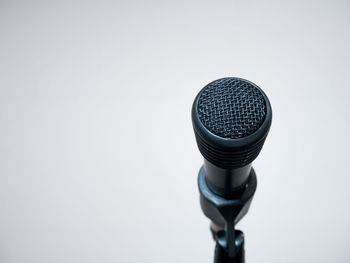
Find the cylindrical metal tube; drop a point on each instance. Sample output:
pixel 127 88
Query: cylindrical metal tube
pixel 224 182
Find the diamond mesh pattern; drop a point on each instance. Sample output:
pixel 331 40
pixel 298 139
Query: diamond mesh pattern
pixel 231 108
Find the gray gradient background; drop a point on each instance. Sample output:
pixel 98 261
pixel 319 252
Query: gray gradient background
pixel 98 161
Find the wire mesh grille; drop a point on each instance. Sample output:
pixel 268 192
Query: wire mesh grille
pixel 231 108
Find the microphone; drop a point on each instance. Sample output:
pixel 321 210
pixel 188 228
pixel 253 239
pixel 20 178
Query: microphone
pixel 231 118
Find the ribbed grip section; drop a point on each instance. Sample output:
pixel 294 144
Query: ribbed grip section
pixel 229 158
pixel 231 119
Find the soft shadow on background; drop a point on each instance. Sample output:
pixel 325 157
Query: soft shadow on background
pixel 98 161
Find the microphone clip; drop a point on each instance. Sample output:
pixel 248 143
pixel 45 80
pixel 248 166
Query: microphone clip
pixel 225 214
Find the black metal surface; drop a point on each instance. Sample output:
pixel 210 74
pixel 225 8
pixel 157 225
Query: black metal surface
pixel 221 256
pixel 231 108
pixel 226 182
pixel 219 209
pixel 231 118
pixel 225 213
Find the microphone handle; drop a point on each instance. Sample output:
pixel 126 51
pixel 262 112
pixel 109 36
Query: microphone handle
pixel 226 182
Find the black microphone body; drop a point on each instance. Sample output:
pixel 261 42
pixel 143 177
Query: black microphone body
pixel 231 118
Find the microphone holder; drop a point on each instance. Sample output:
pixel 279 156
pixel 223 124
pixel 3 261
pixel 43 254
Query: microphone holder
pixel 225 213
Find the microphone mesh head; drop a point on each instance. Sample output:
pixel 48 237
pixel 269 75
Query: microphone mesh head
pixel 231 108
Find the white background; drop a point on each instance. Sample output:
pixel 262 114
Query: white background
pixel 98 161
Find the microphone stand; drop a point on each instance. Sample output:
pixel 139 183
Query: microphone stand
pixel 227 211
